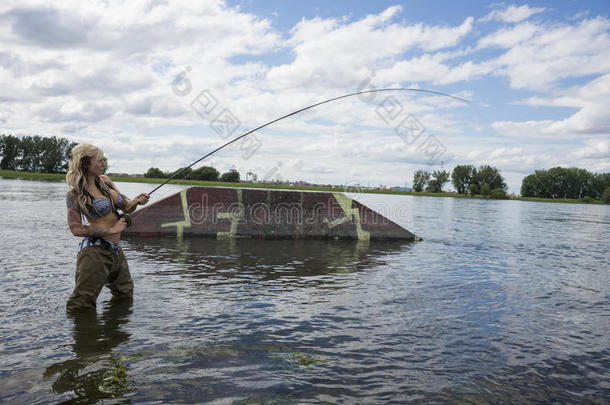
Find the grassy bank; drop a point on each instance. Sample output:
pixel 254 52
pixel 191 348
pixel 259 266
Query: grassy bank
pixel 61 177
pixel 11 174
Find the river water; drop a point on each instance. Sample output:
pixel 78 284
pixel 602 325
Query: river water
pixel 503 301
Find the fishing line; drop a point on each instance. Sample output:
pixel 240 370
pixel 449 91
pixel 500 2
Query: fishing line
pixel 296 112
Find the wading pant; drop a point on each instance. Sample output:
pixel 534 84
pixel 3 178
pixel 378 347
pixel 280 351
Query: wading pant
pixel 97 266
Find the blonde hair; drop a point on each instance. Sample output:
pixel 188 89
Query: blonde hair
pixel 80 158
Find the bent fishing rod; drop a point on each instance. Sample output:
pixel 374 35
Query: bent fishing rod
pixel 299 111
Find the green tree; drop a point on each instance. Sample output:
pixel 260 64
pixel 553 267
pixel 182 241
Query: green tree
pixel 35 153
pixel 560 182
pixel 569 182
pixel 230 177
pixel 420 179
pixel 580 182
pixel 461 178
pixel 498 194
pixel 486 190
pixel 53 157
pixel 551 181
pixel 38 154
pixel 490 175
pixel 205 173
pixel 9 148
pixel 599 183
pixel 29 154
pixel 154 173
pixel 184 173
pixel 532 187
pixel 68 146
pixel 606 196
pixel 438 180
pixel 473 189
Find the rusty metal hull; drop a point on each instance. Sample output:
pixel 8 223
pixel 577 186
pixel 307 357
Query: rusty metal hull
pixel 266 214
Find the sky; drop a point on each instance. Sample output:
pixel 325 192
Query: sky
pixel 162 83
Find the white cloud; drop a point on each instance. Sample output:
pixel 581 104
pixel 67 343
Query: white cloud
pixel 337 54
pixel 524 129
pixel 513 14
pixel 509 37
pixel 80 65
pixel 595 149
pixel 102 72
pixel 591 119
pixel 538 57
pixel 432 68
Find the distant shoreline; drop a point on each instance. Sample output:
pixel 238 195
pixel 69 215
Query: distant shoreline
pixel 12 174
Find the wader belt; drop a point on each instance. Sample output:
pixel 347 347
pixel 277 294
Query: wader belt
pixel 97 241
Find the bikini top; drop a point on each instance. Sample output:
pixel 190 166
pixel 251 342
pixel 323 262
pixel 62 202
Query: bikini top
pixel 102 207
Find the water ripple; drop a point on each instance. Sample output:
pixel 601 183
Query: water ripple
pixel 502 300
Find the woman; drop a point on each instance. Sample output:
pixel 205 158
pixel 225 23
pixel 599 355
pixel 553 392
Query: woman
pixel 100 260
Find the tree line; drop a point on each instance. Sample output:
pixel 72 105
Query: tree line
pixel 469 180
pixel 560 182
pixel 35 153
pixel 51 155
pixel 39 154
pixel 206 173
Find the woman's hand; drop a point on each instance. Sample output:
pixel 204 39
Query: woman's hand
pixel 142 199
pixel 131 205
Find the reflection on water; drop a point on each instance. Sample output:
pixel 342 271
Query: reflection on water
pixel 95 337
pixel 202 257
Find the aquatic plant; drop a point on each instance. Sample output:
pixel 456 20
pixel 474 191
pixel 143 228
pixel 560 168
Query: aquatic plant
pixel 304 359
pixel 114 380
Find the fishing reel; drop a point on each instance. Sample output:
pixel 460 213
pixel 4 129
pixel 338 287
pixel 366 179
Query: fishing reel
pixel 127 218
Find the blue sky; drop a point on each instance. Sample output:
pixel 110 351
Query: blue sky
pixel 162 83
pixel 289 13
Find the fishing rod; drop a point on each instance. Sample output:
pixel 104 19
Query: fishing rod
pixel 296 112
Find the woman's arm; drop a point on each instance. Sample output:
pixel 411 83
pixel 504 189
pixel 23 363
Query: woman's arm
pixel 129 206
pixel 75 221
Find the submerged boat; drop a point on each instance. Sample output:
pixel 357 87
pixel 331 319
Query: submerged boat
pixel 226 213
